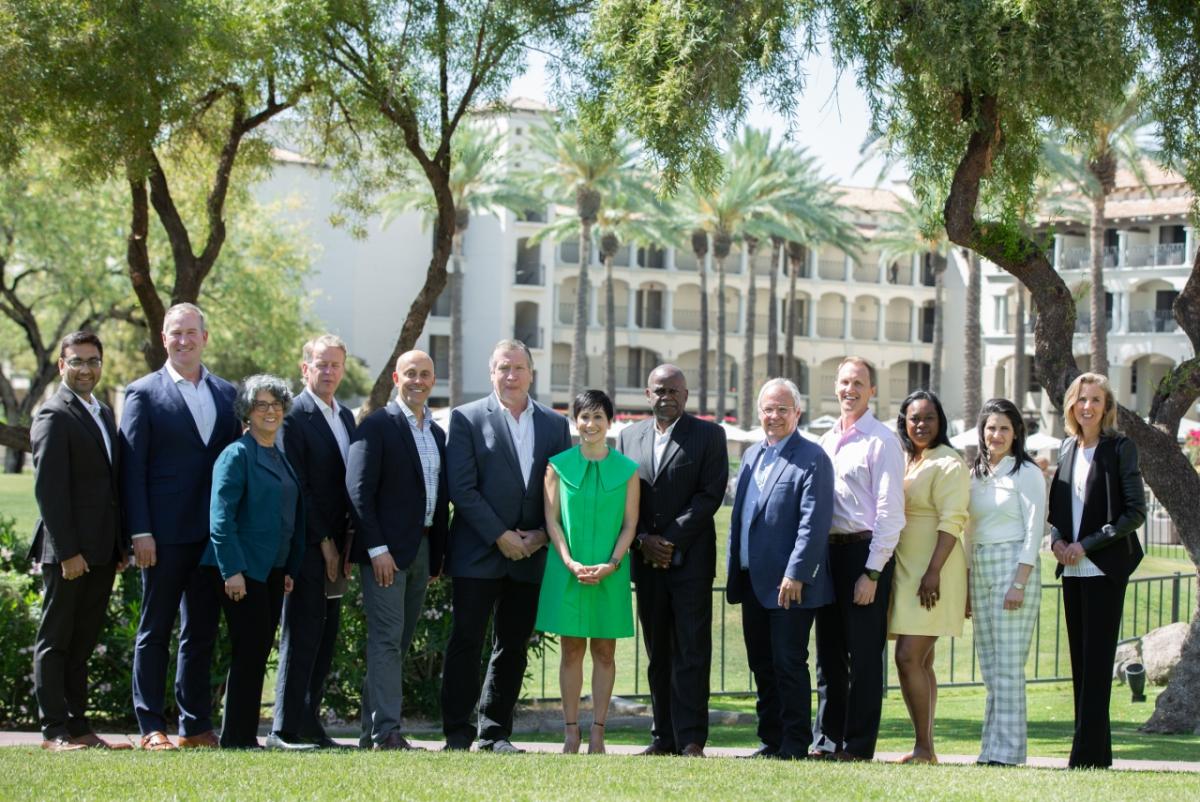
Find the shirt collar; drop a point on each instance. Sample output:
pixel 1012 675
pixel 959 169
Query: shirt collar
pixel 862 424
pixel 528 413
pixel 412 417
pixel 321 403
pixel 667 433
pixel 779 446
pixel 177 377
pixel 93 405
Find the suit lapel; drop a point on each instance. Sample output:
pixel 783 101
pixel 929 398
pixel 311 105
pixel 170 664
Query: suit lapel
pixel 643 443
pixel 500 425
pixel 181 407
pixel 81 413
pixel 776 471
pixel 316 419
pixel 677 435
pixel 406 436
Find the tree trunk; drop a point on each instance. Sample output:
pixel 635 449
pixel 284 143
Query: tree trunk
pixel 1163 464
pixel 973 349
pixel 14 460
pixel 15 437
pixel 137 258
pixel 610 331
pixel 1020 383
pixel 795 254
pixel 702 266
pixel 1099 325
pixel 774 368
pixel 579 377
pixel 456 322
pixel 938 263
pixel 722 379
pixel 745 391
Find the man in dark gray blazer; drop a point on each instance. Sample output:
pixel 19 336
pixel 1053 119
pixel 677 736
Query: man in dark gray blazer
pixel 683 466
pixel 496 458
pixel 316 439
pixel 78 540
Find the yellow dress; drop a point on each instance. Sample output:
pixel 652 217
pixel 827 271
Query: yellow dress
pixel 937 492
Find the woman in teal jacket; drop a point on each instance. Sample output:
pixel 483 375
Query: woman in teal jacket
pixel 256 543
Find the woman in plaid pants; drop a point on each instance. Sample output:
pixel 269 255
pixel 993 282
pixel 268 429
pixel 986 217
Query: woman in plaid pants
pixel 1008 518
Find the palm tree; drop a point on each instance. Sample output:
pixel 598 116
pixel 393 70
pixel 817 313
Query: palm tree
pixel 774 368
pixel 588 171
pixel 797 255
pixel 479 184
pixel 972 332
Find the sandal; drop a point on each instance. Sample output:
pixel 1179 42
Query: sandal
pixel 593 749
pixel 569 747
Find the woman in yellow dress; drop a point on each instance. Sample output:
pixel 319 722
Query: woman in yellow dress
pixel 929 591
pixel 591 517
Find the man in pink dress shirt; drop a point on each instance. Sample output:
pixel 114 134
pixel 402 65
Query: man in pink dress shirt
pixel 868 514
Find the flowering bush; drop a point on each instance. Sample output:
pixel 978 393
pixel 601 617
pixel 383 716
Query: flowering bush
pixel 1192 446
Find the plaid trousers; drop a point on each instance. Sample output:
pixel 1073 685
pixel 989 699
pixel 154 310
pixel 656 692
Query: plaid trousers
pixel 1002 639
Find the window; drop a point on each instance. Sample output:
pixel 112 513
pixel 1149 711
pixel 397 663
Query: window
pixel 439 352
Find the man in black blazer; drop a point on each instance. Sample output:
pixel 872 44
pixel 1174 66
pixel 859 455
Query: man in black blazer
pixel 397 483
pixel 683 466
pixel 316 439
pixel 177 421
pixel 78 540
pixel 499 446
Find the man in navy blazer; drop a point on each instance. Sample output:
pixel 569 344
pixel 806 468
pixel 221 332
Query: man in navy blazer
pixel 778 549
pixel 316 439
pixel 177 421
pixel 499 446
pixel 396 478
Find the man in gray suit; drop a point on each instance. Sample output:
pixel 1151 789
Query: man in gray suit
pixel 496 458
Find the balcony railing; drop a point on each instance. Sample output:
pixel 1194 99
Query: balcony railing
pixel 687 319
pixel 898 331
pixel 560 374
pixel 1010 325
pixel 1146 320
pixel 863 329
pixel 1083 323
pixel 831 269
pixel 830 327
pixel 530 275
pixel 620 315
pixel 868 272
pixel 566 312
pixel 1154 255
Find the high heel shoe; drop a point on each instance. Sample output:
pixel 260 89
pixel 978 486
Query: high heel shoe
pixel 596 745
pixel 571 745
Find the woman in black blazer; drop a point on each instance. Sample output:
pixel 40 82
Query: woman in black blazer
pixel 1097 503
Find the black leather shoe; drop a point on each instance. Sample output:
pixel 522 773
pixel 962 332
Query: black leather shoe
pixel 763 751
pixel 288 742
pixel 396 742
pixel 503 747
pixel 657 749
pixel 325 742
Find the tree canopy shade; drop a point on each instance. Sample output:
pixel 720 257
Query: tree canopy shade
pixel 411 71
pixel 963 90
pixel 121 85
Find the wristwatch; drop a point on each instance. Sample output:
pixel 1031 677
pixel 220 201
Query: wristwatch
pixel 1018 586
pixel 871 575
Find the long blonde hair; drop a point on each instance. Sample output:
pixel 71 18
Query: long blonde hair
pixel 1108 423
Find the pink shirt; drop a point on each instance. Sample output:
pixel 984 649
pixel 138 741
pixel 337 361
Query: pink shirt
pixel 868 494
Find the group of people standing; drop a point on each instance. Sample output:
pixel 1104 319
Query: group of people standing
pixel 251 501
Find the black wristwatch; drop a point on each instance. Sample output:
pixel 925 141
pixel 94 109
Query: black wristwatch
pixel 871 575
pixel 637 541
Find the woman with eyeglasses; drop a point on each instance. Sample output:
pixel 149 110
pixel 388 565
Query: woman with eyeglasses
pixel 256 542
pixel 929 588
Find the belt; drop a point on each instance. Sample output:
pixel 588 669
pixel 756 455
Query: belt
pixel 846 538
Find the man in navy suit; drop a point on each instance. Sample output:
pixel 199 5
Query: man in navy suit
pixel 316 439
pixel 176 423
pixel 396 478
pixel 499 446
pixel 778 548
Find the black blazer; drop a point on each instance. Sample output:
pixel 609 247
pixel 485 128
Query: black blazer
pixel 314 455
pixel 1113 509
pixel 386 484
pixel 75 484
pixel 679 502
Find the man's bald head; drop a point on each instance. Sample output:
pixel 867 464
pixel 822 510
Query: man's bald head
pixel 414 378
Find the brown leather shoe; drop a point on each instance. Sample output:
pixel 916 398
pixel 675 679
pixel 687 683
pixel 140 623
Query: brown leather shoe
pixel 656 750
pixel 850 757
pixel 61 743
pixel 396 742
pixel 205 740
pixel 93 741
pixel 157 741
pixel 693 750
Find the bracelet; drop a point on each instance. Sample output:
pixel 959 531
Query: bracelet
pixel 1018 586
pixel 615 562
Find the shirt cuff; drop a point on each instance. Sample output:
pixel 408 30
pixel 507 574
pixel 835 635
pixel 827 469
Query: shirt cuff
pixel 375 552
pixel 140 535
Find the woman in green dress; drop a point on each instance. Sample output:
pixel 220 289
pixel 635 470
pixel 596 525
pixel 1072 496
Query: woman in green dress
pixel 591 514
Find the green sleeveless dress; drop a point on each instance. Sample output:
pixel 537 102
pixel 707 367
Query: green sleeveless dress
pixel 591 498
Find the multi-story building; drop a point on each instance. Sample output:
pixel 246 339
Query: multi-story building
pixel 1149 248
pixel 362 290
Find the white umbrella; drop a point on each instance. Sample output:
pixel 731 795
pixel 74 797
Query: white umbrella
pixel 964 440
pixel 736 434
pixel 1041 442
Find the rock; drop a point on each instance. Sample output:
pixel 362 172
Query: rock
pixel 1127 653
pixel 627 707
pixel 1160 651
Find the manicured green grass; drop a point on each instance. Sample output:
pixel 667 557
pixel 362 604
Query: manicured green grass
pixel 17 501
pixel 31 774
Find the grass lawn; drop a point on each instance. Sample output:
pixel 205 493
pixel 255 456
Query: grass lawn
pixel 16 501
pixel 31 774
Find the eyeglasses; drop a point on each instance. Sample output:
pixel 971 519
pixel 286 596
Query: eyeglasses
pixel 776 410
pixel 263 406
pixel 75 363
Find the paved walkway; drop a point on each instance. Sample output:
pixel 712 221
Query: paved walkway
pixel 28 739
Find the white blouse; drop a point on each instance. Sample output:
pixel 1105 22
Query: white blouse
pixel 1079 477
pixel 1009 508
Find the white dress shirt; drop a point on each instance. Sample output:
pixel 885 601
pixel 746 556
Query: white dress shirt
pixel 660 445
pixel 1009 508
pixel 521 431
pixel 1079 477
pixel 868 494
pixel 334 419
pixel 93 407
pixel 199 400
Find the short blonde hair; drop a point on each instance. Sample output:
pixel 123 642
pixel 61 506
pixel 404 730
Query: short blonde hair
pixel 327 340
pixel 1108 423
pixel 858 360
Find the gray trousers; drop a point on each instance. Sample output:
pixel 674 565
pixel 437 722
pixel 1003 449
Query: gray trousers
pixel 392 615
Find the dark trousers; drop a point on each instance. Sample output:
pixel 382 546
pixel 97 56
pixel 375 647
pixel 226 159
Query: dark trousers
pixel 850 642
pixel 1092 607
pixel 777 650
pixel 513 605
pixel 306 643
pixel 676 619
pixel 176 585
pixel 72 617
pixel 252 621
